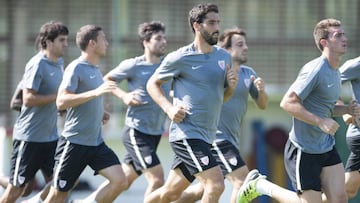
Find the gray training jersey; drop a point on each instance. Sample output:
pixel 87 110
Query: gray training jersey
pixel 198 82
pixel 318 87
pixel 83 123
pixel 39 123
pixel 148 118
pixel 233 111
pixel 350 71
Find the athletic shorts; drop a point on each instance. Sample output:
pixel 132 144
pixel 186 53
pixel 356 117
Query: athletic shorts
pixel 71 160
pixel 353 161
pixel 141 149
pixel 304 169
pixel 192 156
pixel 227 155
pixel 29 157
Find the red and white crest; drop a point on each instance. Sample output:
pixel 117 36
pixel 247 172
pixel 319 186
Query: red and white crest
pixel 21 179
pixel 62 183
pixel 247 82
pixel 205 160
pixel 222 64
pixel 148 159
pixel 233 161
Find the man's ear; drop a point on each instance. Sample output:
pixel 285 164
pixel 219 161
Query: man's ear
pixel 196 26
pixel 323 42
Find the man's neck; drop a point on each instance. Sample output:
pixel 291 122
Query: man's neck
pixel 90 57
pixel 50 56
pixel 151 58
pixel 333 59
pixel 236 65
pixel 202 46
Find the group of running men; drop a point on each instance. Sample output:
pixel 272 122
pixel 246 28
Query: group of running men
pixel 203 89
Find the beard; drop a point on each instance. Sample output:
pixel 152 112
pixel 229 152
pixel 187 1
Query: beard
pixel 208 37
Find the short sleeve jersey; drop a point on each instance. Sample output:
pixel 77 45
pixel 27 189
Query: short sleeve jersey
pixel 233 111
pixel 350 72
pixel 199 81
pixel 318 87
pixel 83 123
pixel 39 123
pixel 148 118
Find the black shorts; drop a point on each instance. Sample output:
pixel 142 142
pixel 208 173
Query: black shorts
pixel 141 149
pixel 192 156
pixel 29 157
pixel 71 160
pixel 304 169
pixel 227 155
pixel 353 161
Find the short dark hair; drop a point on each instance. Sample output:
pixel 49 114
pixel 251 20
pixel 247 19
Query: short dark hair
pixel 321 30
pixel 85 34
pixel 225 37
pixel 198 13
pixel 50 31
pixel 147 29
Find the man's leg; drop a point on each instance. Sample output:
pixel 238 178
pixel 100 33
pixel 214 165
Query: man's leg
pixel 237 178
pixel 154 177
pixel 192 194
pixel 11 194
pixel 117 183
pixel 352 183
pixel 175 184
pixel 213 183
pixel 130 174
pixel 333 183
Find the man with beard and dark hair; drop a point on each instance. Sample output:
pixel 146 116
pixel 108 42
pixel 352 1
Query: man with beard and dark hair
pixel 144 122
pixel 225 147
pixel 202 81
pixel 35 131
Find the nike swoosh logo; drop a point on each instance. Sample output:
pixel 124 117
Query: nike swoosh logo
pixel 330 85
pixel 92 76
pixel 52 74
pixel 195 67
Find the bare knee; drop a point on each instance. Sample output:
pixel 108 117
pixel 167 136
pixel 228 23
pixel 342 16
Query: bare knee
pixel 215 189
pixel 338 197
pixel 170 194
pixel 156 183
pixel 119 184
pixel 351 192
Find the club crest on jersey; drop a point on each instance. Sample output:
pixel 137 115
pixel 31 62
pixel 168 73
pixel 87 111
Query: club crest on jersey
pixel 247 82
pixel 148 159
pixel 21 179
pixel 62 183
pixel 233 161
pixel 205 160
pixel 222 64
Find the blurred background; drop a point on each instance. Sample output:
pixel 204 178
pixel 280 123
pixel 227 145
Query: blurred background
pixel 279 34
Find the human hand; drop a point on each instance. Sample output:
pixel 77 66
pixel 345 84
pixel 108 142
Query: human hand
pixel 329 126
pixel 232 77
pixel 106 87
pixel 177 113
pixel 133 98
pixel 258 83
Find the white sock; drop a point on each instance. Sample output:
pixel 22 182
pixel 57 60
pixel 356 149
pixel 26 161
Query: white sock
pixel 264 187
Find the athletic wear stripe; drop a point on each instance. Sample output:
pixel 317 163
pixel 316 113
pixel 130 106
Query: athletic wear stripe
pixel 61 161
pixel 18 159
pixel 297 169
pixel 192 155
pixel 136 148
pixel 222 157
